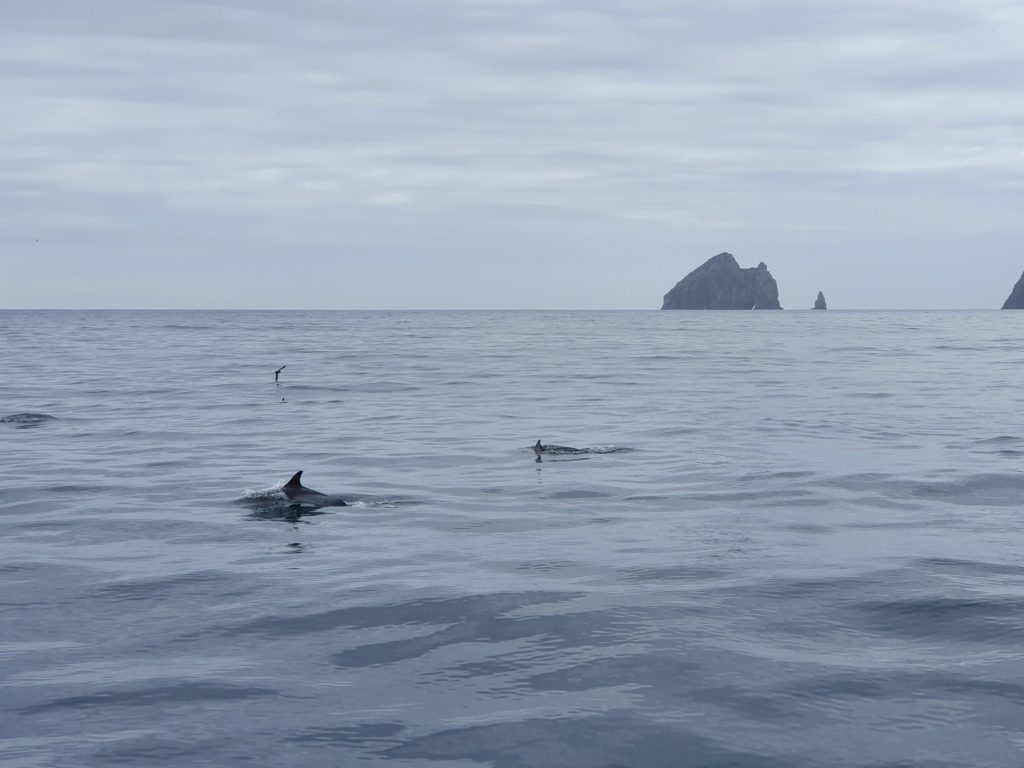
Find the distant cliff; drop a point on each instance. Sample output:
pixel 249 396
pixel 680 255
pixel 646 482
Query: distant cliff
pixel 1016 300
pixel 819 303
pixel 720 283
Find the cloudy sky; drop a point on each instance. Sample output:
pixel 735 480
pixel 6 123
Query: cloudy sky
pixel 507 153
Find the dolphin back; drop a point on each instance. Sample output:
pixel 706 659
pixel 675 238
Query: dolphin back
pixel 297 492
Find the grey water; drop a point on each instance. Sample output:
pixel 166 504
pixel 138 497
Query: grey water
pixel 794 539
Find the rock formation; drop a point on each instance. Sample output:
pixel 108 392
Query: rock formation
pixel 1016 300
pixel 720 283
pixel 819 303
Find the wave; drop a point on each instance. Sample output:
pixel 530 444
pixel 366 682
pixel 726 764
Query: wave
pixel 974 490
pixel 982 620
pixel 162 695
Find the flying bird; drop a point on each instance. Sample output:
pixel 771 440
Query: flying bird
pixel 278 372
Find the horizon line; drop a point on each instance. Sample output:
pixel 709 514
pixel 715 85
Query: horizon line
pixel 489 309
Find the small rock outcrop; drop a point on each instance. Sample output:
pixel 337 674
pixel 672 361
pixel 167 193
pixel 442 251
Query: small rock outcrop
pixel 720 283
pixel 1016 300
pixel 819 303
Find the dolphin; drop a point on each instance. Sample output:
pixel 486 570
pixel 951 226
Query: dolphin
pixel 539 448
pixel 299 494
pixel 27 420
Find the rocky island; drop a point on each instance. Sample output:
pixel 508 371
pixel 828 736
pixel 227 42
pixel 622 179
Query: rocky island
pixel 720 283
pixel 819 303
pixel 1016 300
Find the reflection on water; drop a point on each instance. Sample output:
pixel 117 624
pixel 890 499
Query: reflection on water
pixel 782 540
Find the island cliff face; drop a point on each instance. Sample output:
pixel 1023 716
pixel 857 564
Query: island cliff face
pixel 1016 300
pixel 819 303
pixel 720 283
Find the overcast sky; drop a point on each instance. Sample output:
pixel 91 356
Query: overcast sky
pixel 508 153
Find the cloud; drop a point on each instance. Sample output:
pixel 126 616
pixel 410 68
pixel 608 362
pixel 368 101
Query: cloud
pixel 323 121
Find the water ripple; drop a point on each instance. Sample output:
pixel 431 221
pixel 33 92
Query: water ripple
pixel 790 541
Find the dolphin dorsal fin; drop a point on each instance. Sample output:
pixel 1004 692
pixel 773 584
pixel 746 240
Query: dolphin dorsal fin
pixel 296 481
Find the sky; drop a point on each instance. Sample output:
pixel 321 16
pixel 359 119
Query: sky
pixel 431 154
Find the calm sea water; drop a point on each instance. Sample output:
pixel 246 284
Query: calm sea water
pixel 801 543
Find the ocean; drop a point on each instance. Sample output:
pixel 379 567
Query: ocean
pixel 787 539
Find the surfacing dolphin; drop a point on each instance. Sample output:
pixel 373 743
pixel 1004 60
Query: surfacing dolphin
pixel 562 450
pixel 26 420
pixel 540 448
pixel 288 502
pixel 297 493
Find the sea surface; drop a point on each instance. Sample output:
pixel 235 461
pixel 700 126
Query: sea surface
pixel 789 539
